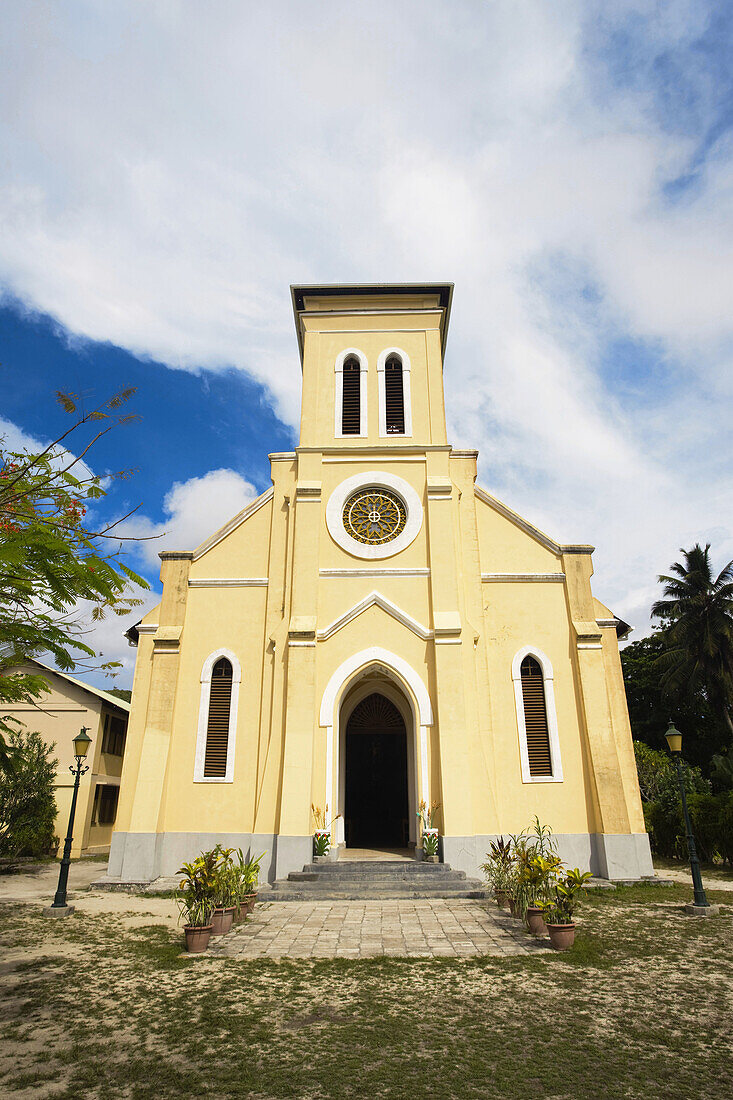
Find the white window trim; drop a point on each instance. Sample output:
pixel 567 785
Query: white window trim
pixel 338 498
pixel 339 394
pixel 406 394
pixel 549 685
pixel 206 672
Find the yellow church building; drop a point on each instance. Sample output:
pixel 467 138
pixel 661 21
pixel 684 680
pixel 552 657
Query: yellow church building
pixel 375 631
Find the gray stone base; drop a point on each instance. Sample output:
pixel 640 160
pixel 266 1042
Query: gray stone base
pixel 605 855
pixel 58 910
pixel 142 857
pixel 702 910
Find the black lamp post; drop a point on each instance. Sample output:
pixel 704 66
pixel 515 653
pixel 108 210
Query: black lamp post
pixel 81 747
pixel 674 740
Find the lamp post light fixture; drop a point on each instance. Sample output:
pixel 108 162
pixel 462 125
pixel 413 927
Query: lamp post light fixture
pixel 59 908
pixel 700 903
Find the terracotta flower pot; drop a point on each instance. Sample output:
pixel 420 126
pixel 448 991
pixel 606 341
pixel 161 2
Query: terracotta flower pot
pixel 197 937
pixel 535 921
pixel 562 936
pixel 248 902
pixel 221 921
pixel 502 899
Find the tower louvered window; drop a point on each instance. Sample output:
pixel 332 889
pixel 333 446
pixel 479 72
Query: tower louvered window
pixel 535 718
pixel 394 396
pixel 217 729
pixel 351 406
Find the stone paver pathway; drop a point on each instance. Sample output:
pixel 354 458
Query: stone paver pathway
pixel 435 927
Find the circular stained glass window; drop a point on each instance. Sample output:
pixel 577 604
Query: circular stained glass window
pixel 374 516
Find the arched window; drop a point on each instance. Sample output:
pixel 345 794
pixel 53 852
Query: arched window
pixel 535 718
pixel 534 697
pixel 350 392
pixel 217 725
pixel 351 397
pixel 394 396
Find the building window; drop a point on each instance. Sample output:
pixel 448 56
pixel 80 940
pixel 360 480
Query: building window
pixel 217 729
pixel 393 379
pixel 351 401
pixel 104 810
pixel 115 730
pixel 215 741
pixel 534 696
pixel 350 393
pixel 394 397
pixel 535 718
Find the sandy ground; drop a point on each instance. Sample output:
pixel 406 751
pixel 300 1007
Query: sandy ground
pixel 39 886
pixel 708 881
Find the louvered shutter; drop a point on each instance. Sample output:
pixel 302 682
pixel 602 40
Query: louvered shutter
pixel 217 730
pixel 394 398
pixel 351 407
pixel 535 718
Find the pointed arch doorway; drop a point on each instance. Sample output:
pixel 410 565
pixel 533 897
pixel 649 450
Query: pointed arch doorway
pixel 377 767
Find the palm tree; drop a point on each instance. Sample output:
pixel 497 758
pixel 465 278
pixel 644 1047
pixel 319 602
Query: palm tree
pixel 698 635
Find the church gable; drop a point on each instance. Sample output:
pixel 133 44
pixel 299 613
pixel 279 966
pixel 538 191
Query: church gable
pixel 372 599
pixel 509 544
pixel 240 549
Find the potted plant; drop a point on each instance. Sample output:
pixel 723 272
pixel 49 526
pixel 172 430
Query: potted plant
pixel 195 901
pixel 498 871
pixel 558 911
pixel 322 849
pixel 426 819
pixel 537 868
pixel 247 876
pixel 225 891
pixel 430 845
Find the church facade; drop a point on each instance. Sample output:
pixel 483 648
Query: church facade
pixel 374 632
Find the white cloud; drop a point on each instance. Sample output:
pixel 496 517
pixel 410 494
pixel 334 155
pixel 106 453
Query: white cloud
pixel 174 168
pixel 193 510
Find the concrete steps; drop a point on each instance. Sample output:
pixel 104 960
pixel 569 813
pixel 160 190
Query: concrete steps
pixel 373 880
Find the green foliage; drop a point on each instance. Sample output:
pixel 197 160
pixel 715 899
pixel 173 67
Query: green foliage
pixel 27 797
pixel 499 865
pixel 225 878
pixel 704 730
pixel 248 874
pixel 321 842
pixel 196 890
pixel 697 613
pixel 120 693
pixel 52 558
pixel 559 909
pixel 430 843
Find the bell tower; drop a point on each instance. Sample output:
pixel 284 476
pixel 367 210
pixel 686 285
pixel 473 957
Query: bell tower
pixel 372 360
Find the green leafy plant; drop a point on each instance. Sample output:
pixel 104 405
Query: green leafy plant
pixel 560 907
pixel 197 888
pixel 499 866
pixel 27 797
pixel 246 876
pixel 430 843
pixel 225 879
pixel 321 843
pixel 537 866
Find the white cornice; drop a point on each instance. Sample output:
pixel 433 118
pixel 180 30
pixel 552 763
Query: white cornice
pixel 228 582
pixel 488 577
pixel 386 605
pixel 233 523
pixel 375 571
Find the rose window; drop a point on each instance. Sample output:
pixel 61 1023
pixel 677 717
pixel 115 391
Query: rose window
pixel 374 516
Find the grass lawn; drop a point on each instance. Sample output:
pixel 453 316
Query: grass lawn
pixel 641 1007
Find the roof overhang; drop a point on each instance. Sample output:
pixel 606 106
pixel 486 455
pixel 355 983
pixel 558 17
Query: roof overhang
pixel 299 293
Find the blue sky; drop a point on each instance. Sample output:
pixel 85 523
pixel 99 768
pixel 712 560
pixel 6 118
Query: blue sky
pixel 169 169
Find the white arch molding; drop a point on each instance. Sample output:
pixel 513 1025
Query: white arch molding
pixel 548 682
pixel 200 757
pixel 341 358
pixel 340 682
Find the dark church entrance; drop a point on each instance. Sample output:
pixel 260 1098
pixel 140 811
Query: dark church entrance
pixel 376 811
